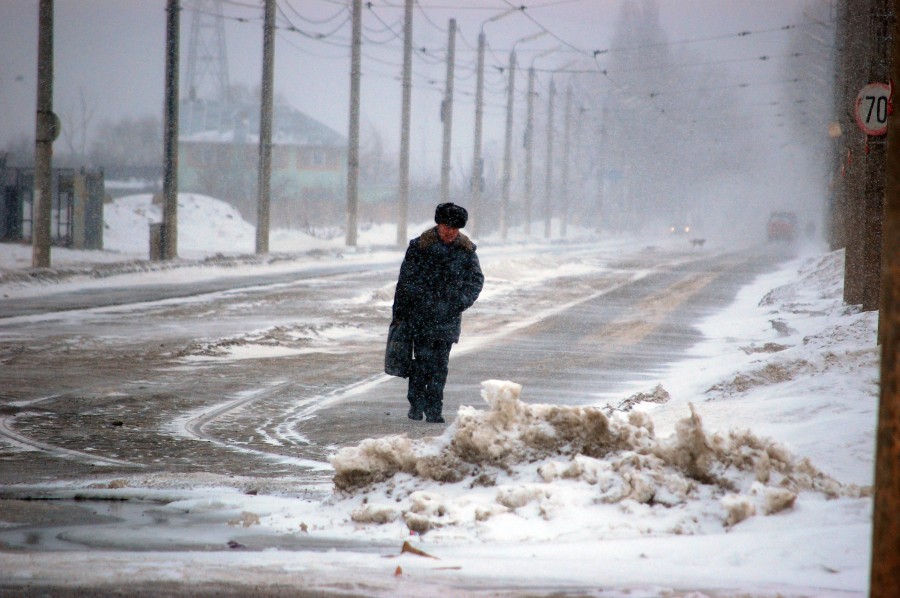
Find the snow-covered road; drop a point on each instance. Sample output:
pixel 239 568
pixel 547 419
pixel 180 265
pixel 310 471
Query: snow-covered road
pixel 214 418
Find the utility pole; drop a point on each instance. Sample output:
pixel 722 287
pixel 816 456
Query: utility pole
pixel 265 131
pixel 578 160
pixel 447 114
pixel 567 137
pixel 507 146
pixel 885 573
pixel 353 147
pixel 529 152
pixel 876 148
pixel 170 135
pixel 403 203
pixel 548 180
pixel 854 72
pixel 46 131
pixel 477 160
pixel 600 165
pixel 836 217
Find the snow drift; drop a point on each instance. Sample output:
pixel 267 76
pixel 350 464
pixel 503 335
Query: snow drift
pixel 514 457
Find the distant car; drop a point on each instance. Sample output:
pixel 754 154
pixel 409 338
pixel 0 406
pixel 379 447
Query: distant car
pixel 782 226
pixel 681 229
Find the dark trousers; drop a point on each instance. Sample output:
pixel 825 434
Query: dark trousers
pixel 431 360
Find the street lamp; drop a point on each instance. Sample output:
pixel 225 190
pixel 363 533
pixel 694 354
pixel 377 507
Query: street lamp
pixel 529 141
pixel 548 182
pixel 507 148
pixel 477 164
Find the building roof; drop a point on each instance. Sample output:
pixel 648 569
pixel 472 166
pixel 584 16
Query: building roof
pixel 238 122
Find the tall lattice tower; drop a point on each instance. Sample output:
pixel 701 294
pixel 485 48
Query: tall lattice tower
pixel 207 64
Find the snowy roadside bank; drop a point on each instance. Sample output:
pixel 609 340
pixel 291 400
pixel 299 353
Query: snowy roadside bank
pixel 761 493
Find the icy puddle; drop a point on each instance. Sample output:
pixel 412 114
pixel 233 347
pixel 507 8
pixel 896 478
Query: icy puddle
pixel 135 526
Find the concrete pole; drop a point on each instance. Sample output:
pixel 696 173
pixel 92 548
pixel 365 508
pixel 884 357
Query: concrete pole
pixel 567 141
pixel 447 114
pixel 578 162
pixel 477 160
pixel 46 131
pixel 529 153
pixel 170 135
pixel 885 573
pixel 507 146
pixel 403 199
pixel 600 166
pixel 265 131
pixel 548 180
pixel 353 135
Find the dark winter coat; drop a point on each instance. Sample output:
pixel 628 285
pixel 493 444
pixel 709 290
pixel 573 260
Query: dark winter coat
pixel 437 283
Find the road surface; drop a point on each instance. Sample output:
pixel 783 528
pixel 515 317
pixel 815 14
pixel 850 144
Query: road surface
pixel 255 384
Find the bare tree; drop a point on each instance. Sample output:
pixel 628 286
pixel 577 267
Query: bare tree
pixel 128 142
pixel 75 126
pixel 20 151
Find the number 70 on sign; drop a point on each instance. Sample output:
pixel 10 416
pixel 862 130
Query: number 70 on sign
pixel 873 105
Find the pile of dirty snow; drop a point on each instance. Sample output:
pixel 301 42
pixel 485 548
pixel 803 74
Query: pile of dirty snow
pixel 551 471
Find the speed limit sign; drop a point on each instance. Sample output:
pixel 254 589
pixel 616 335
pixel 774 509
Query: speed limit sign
pixel 872 108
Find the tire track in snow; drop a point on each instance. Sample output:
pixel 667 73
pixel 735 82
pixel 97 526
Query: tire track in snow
pixel 194 426
pixel 14 438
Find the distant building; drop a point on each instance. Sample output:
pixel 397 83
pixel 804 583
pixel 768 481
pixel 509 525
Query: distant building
pixel 218 155
pixel 76 206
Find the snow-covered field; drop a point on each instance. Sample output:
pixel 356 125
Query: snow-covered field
pixel 207 227
pixel 745 472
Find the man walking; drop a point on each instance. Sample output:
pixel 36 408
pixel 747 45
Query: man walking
pixel 439 279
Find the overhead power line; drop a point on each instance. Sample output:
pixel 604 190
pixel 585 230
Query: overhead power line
pixel 655 94
pixel 387 27
pixel 311 35
pixel 714 62
pixel 336 15
pixel 295 22
pixel 737 35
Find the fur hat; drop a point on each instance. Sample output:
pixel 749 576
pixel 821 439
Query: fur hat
pixel 451 214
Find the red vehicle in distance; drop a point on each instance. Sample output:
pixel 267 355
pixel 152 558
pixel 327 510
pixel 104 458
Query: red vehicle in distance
pixel 782 226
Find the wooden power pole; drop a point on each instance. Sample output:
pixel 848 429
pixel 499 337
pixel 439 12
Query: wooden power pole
pixel 885 573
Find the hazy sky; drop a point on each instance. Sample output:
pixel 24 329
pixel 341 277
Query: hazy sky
pixel 112 53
